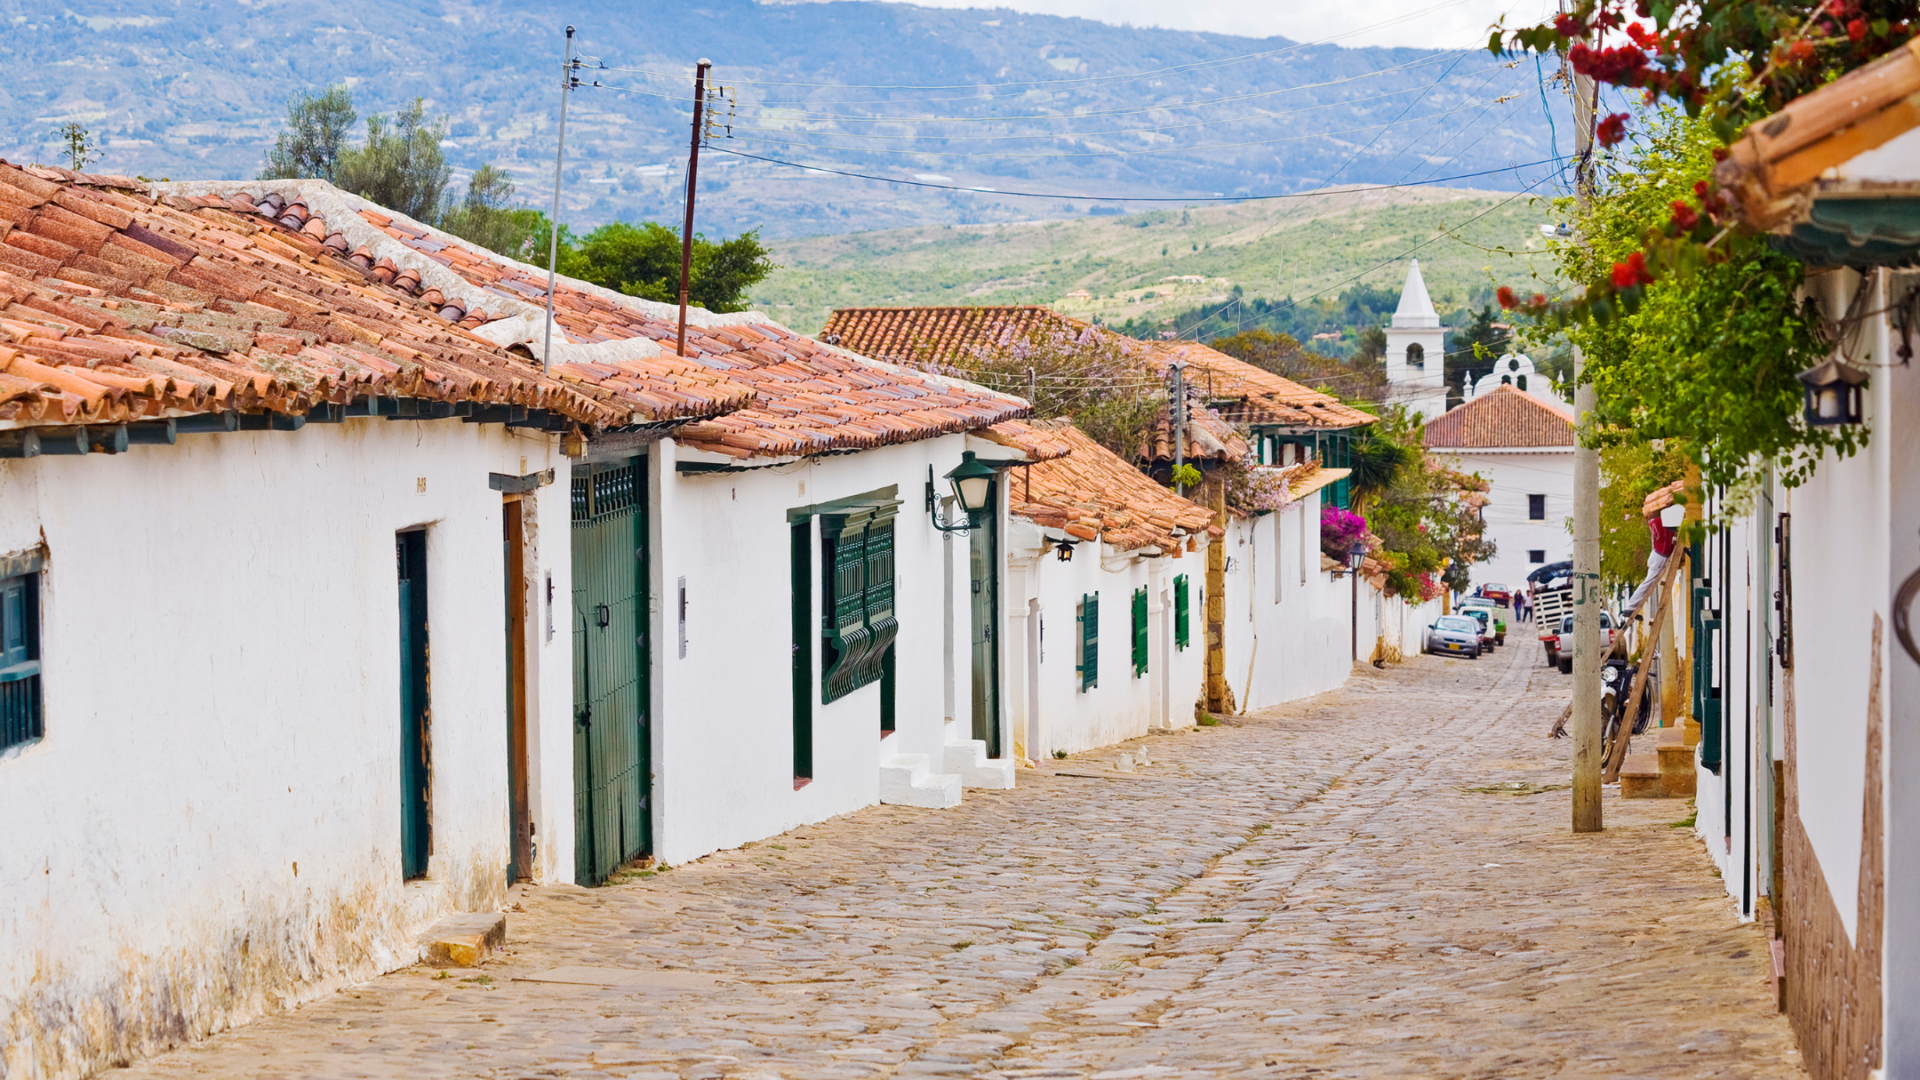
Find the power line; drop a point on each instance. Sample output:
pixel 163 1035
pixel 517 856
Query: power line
pixel 1196 66
pixel 1122 198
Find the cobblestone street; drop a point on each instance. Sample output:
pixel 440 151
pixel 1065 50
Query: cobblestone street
pixel 1317 890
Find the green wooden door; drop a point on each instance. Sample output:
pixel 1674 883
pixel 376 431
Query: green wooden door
pixel 410 553
pixel 610 668
pixel 983 558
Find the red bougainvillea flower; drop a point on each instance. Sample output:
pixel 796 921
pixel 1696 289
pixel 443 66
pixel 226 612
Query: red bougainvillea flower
pixel 1507 300
pixel 1857 29
pixel 1684 216
pixel 1539 300
pixel 1612 129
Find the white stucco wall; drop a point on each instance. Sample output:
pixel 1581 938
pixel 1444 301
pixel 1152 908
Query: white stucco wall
pixel 1288 626
pixel 211 825
pixel 1122 705
pixel 1513 476
pixel 723 747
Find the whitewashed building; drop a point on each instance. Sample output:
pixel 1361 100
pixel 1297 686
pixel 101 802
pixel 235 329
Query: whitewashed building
pixel 1523 447
pixel 1416 356
pixel 243 485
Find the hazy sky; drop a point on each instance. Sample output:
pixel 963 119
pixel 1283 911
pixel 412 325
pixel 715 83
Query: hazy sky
pixel 1422 23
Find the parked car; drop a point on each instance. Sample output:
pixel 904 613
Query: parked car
pixel 1499 594
pixel 1483 617
pixel 1560 645
pixel 1454 635
pixel 1493 613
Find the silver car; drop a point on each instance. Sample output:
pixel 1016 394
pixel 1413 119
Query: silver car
pixel 1454 635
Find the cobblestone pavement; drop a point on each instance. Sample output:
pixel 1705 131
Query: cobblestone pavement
pixel 1314 891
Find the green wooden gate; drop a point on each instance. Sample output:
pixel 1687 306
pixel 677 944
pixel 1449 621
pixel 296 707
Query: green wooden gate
pixel 984 562
pixel 611 778
pixel 416 761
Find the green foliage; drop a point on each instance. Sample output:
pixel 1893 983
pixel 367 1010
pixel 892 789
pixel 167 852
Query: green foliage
pixel 78 145
pixel 1630 471
pixel 400 166
pixel 1090 377
pixel 1426 515
pixel 316 133
pixel 1186 477
pixel 1365 376
pixel 486 218
pixel 644 260
pixel 1709 357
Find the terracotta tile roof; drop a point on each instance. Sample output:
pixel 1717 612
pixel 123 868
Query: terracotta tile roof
pixel 807 397
pixel 1210 438
pixel 1505 419
pixel 925 334
pixel 1246 394
pixel 1038 440
pixel 118 305
pixel 1093 493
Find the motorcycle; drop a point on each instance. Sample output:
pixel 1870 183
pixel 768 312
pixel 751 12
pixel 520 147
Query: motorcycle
pixel 1616 685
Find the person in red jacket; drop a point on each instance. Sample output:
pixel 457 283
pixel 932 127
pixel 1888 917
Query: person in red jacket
pixel 1662 545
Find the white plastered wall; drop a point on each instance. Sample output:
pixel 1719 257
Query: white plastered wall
pixel 1512 477
pixel 723 744
pixel 1121 705
pixel 210 827
pixel 1299 614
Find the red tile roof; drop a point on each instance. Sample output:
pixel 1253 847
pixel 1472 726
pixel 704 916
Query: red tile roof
pixel 1505 419
pixel 1039 440
pixel 1244 393
pixel 117 306
pixel 809 397
pixel 1092 493
pixel 1238 391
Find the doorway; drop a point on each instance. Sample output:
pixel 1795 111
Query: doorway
pixel 520 815
pixel 612 652
pixel 983 561
pixel 416 759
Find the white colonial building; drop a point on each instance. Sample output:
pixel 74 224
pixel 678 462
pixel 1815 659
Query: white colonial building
pixel 1523 446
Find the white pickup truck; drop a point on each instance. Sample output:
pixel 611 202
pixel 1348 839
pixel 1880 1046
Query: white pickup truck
pixel 1560 644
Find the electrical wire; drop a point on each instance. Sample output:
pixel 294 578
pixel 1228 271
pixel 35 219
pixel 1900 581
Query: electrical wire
pixel 1196 66
pixel 1116 198
pixel 1107 153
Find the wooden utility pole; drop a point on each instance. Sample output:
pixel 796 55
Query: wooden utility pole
pixel 567 82
pixel 693 176
pixel 1587 599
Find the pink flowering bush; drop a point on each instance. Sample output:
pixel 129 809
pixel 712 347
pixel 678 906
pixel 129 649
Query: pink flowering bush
pixel 1338 530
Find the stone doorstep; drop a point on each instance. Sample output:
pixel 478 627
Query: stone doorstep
pixel 464 940
pixel 1640 778
pixel 1677 774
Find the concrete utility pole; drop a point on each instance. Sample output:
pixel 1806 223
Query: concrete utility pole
pixel 1587 600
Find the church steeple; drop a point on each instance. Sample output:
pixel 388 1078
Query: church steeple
pixel 1416 350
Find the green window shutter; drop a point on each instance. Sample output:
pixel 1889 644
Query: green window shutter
pixel 1089 641
pixel 20 716
pixel 882 626
pixel 844 639
pixel 1139 632
pixel 1180 611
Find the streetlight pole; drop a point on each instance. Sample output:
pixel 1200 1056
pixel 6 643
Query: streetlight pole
pixel 1587 600
pixel 693 178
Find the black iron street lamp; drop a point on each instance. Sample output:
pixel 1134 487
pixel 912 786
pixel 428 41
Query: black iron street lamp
pixel 972 486
pixel 1356 557
pixel 1834 393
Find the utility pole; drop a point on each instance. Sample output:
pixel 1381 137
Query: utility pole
pixel 693 175
pixel 567 83
pixel 1587 601
pixel 1179 426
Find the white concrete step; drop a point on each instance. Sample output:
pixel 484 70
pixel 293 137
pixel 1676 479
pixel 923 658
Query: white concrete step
pixel 908 780
pixel 968 758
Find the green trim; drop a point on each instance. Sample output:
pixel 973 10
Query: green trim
pixel 1089 617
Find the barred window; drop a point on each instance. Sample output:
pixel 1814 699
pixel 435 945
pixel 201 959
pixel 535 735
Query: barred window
pixel 20 714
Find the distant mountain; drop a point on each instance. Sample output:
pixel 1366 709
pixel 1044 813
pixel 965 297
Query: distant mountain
pixel 1143 269
pixel 973 98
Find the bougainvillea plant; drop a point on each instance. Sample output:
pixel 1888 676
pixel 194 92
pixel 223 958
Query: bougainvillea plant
pixel 1338 530
pixel 1728 62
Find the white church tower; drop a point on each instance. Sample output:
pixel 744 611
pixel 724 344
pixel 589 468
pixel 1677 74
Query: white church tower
pixel 1416 351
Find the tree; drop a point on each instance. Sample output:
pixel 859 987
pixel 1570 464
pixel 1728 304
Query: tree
pixel 486 218
pixel 401 167
pixel 1364 378
pixel 644 260
pixel 315 136
pixel 1475 348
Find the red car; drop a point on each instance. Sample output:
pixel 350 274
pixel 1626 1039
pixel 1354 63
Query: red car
pixel 1499 594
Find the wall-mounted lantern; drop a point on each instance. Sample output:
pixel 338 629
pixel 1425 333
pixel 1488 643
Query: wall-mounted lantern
pixel 972 486
pixel 1064 551
pixel 1834 393
pixel 1356 555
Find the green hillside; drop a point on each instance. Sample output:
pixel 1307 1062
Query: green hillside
pixel 1269 249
